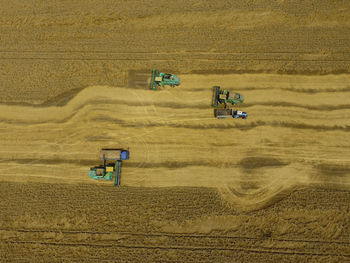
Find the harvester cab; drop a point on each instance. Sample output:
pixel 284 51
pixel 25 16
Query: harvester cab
pixel 223 97
pixel 111 167
pixel 160 79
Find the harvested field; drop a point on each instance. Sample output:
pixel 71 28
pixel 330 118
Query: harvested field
pixel 274 187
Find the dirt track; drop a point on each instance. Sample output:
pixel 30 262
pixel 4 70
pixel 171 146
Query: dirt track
pixel 274 187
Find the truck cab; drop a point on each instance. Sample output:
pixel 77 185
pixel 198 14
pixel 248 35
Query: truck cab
pixel 239 114
pixel 124 155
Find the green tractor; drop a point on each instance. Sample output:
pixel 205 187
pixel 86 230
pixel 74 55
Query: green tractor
pixel 223 97
pixel 111 168
pixel 160 79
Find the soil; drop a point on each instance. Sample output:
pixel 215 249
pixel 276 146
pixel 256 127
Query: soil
pixel 274 187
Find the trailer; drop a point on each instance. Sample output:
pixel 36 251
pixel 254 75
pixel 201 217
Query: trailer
pixel 114 154
pixel 223 113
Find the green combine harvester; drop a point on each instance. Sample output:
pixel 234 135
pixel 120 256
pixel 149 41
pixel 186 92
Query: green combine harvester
pixel 160 79
pixel 111 168
pixel 223 97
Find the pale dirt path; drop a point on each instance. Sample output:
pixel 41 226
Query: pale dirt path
pixel 289 139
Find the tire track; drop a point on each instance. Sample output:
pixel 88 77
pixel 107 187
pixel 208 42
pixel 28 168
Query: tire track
pixel 177 124
pixel 173 235
pixel 203 248
pixel 227 126
pixel 242 164
pixel 176 59
pixel 300 90
pixel 167 53
pixel 182 56
pixel 172 105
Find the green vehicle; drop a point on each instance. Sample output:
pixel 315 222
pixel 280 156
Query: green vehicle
pixel 223 97
pixel 107 172
pixel 111 168
pixel 160 79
